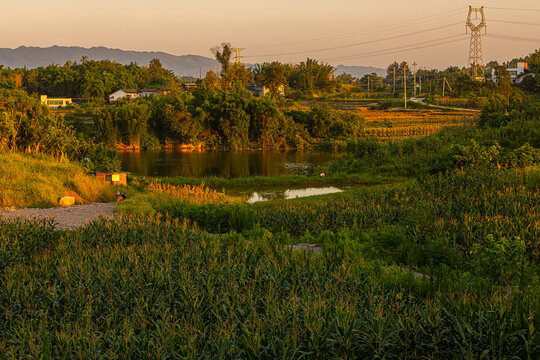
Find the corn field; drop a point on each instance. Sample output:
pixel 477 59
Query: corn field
pixel 135 288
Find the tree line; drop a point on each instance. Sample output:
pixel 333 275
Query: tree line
pixel 216 117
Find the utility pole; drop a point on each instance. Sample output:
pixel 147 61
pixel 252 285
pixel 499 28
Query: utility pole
pixel 405 85
pixel 443 85
pixel 420 80
pixel 238 57
pixel 368 86
pixel 414 77
pixel 476 60
pixel 394 79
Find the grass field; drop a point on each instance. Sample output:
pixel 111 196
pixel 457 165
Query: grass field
pixel 395 125
pixel 39 181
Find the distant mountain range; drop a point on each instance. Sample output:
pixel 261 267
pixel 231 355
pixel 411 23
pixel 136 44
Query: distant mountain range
pixel 33 57
pixel 358 71
pixel 184 65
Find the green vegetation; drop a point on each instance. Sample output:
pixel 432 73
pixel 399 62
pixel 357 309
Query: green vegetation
pixel 438 258
pixel 39 181
pixel 147 288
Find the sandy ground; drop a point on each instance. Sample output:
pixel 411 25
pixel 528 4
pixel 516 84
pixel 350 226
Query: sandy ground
pixel 64 217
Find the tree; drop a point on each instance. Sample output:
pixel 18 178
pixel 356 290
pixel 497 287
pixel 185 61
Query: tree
pixel 238 72
pixel 223 55
pixel 272 75
pixel 390 69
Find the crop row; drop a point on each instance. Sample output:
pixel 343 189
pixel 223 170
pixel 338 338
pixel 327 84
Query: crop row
pixel 154 288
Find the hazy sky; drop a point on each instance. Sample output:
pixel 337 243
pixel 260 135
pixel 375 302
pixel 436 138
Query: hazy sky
pixel 350 32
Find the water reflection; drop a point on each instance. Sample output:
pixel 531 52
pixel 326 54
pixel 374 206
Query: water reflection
pixel 291 194
pixel 225 164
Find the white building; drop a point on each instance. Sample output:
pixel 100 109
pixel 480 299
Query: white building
pixel 133 94
pixel 123 93
pixel 517 74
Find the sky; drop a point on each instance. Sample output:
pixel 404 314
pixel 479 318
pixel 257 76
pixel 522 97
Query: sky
pixel 350 32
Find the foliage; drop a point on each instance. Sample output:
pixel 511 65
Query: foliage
pixel 145 288
pixel 39 181
pixel 125 122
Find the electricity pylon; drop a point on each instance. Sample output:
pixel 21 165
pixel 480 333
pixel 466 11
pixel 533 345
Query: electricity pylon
pixel 238 58
pixel 476 60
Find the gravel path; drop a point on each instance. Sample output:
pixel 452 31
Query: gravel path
pixel 64 217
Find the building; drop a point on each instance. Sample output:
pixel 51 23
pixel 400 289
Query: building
pixel 55 102
pixel 517 74
pixel 111 178
pixel 152 91
pixel 259 90
pixel 189 86
pixel 133 94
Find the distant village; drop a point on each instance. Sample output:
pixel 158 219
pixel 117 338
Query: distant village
pixel 256 89
pixel 517 75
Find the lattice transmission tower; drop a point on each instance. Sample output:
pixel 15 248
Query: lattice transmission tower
pixel 238 57
pixel 476 60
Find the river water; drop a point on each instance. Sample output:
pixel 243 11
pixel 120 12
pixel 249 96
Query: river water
pixel 225 164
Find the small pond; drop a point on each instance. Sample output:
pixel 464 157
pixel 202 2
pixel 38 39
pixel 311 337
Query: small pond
pixel 291 194
pixel 224 164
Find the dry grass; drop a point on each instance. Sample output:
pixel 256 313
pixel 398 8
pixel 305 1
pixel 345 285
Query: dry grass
pixel 388 124
pixel 195 194
pixel 39 181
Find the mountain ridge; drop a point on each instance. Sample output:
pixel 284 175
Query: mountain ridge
pixel 182 65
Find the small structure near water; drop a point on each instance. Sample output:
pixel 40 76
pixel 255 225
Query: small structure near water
pixel 112 178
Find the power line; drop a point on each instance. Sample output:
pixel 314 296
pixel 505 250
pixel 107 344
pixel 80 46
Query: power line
pixel 421 45
pixel 515 22
pixel 361 43
pixel 445 15
pixel 511 9
pixel 513 38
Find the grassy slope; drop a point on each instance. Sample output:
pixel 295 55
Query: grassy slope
pixel 28 181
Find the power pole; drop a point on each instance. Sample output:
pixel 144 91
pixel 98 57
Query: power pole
pixel 443 85
pixel 368 86
pixel 420 80
pixel 414 77
pixel 405 85
pixel 476 60
pixel 394 79
pixel 238 57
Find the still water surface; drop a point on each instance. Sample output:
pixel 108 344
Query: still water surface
pixel 291 194
pixel 225 164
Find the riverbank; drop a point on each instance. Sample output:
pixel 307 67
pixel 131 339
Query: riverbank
pixel 40 181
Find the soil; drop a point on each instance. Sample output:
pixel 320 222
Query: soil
pixel 66 218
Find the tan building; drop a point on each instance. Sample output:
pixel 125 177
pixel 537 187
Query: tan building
pixel 259 90
pixel 55 102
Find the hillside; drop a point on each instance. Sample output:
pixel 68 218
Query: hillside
pixel 358 71
pixel 32 57
pixel 183 65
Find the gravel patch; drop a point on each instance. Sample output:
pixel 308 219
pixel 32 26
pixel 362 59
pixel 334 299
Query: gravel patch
pixel 65 218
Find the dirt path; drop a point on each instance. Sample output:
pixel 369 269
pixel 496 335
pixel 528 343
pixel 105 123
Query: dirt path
pixel 64 217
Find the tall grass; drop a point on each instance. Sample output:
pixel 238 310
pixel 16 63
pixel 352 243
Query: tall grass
pixel 153 288
pixel 39 181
